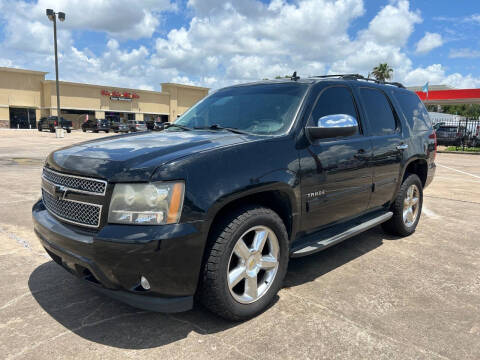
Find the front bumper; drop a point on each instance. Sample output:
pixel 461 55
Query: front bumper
pixel 113 259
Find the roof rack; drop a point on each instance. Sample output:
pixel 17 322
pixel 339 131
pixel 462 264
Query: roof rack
pixel 359 77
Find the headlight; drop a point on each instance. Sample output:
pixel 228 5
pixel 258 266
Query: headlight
pixel 146 204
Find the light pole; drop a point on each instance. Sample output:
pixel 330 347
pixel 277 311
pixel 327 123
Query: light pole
pixel 52 15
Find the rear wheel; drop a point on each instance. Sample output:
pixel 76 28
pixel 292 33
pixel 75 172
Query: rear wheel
pixel 69 131
pixel 245 263
pixel 406 208
pixel 84 129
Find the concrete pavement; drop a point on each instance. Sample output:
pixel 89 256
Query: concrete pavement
pixel 372 297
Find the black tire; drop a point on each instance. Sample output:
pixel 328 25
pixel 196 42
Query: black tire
pixel 396 224
pixel 115 131
pixel 52 130
pixel 39 129
pixel 69 131
pixel 95 131
pixel 213 291
pixel 107 131
pixel 84 129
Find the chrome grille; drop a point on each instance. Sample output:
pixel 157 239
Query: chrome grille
pixel 78 183
pixel 75 212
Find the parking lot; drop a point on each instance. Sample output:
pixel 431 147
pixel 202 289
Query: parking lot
pixel 371 297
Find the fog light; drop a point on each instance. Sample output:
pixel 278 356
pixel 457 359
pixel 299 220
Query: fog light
pixel 144 283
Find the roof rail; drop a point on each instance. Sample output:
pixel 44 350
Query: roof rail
pixel 359 77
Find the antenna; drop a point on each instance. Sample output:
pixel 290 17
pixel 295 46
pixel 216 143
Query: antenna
pixel 294 76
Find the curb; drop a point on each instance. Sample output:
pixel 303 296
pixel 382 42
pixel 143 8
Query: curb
pixel 459 152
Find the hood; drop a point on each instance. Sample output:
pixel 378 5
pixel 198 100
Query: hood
pixel 135 157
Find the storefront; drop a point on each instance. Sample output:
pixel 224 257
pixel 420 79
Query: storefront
pixel 25 97
pixel 22 118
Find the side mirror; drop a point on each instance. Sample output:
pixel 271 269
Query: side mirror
pixel 332 126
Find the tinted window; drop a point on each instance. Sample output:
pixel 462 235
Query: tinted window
pixel 334 100
pixel 415 112
pixel 264 109
pixel 379 112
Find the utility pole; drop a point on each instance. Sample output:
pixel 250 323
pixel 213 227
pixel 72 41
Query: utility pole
pixel 52 15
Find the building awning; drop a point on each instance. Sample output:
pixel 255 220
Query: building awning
pixel 451 96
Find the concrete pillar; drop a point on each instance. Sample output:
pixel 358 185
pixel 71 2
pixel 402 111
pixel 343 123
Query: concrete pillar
pixel 173 90
pixel 99 114
pixel 139 117
pixel 4 117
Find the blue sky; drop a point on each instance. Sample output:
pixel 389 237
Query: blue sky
pixel 216 43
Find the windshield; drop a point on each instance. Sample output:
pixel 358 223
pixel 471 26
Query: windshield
pixel 266 109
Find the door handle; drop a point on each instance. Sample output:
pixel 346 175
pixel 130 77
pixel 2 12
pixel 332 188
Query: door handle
pixel 402 147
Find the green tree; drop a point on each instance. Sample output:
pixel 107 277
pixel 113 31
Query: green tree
pixel 382 72
pixel 467 110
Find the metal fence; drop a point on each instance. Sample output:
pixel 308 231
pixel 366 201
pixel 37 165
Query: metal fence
pixel 461 133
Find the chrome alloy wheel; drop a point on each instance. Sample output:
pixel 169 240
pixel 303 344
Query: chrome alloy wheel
pixel 411 205
pixel 253 264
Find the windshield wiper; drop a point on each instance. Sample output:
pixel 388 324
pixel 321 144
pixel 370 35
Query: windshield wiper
pixel 218 127
pixel 169 125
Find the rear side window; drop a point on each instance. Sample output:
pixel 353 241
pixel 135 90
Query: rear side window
pixel 334 100
pixel 414 110
pixel 379 112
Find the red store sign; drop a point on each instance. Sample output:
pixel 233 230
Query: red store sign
pixel 117 95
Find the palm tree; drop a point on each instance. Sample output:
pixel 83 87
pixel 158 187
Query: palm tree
pixel 382 72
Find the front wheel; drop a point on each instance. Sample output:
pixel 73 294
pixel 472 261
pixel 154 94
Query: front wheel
pixel 245 263
pixel 406 208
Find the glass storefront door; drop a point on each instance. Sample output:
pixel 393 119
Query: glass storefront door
pixel 22 118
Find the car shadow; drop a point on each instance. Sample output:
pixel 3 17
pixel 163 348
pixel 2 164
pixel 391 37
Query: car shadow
pixel 98 318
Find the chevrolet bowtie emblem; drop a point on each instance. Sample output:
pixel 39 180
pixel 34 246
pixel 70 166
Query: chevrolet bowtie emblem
pixel 60 192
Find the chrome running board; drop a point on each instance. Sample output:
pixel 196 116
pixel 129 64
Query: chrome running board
pixel 325 242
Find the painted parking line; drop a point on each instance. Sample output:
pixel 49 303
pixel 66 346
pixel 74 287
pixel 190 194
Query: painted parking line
pixel 430 213
pixel 460 171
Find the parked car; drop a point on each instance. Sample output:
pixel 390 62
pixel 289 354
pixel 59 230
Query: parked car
pixel 96 125
pixel 117 126
pixel 136 125
pixel 51 123
pixel 213 207
pixel 450 134
pixel 158 126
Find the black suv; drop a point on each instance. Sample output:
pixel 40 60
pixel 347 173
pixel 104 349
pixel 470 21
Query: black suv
pixel 96 125
pixel 51 122
pixel 214 206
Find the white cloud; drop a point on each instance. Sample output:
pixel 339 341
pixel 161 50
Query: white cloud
pixel 120 18
pixel 224 42
pixel 6 63
pixel 429 42
pixel 436 74
pixel 393 25
pixel 474 18
pixel 464 53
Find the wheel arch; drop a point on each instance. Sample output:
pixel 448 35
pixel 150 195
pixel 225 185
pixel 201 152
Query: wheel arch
pixel 281 200
pixel 417 166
